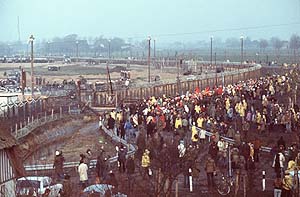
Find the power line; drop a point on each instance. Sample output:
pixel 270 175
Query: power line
pixel 219 30
pixel 229 29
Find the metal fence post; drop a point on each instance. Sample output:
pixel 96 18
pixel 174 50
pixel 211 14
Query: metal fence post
pixel 191 180
pixel 263 180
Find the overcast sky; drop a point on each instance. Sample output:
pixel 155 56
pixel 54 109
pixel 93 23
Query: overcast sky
pixel 139 18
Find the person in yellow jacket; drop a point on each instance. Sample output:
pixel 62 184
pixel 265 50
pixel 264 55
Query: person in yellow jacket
pixel 195 135
pixel 197 109
pixel 258 120
pixel 242 112
pixel 239 108
pixel 227 104
pixel 146 161
pixel 178 122
pixel 287 182
pixel 200 120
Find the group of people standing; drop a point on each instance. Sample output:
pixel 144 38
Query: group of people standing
pixel 242 112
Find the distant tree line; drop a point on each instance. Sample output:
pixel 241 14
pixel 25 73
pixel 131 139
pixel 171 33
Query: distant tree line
pixel 73 45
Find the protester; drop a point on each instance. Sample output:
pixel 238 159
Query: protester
pixel 58 165
pixel 122 158
pixel 146 162
pixel 278 164
pixel 83 174
pixel 130 169
pixel 210 168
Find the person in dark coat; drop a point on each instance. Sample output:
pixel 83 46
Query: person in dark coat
pixel 213 151
pixel 210 168
pixel 110 123
pixel 112 180
pixel 130 167
pixel 122 158
pixel 101 168
pixel 67 187
pixel 122 129
pixel 58 165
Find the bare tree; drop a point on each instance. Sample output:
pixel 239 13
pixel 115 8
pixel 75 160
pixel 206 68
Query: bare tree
pixel 263 44
pixel 232 42
pixel 295 44
pixel 277 45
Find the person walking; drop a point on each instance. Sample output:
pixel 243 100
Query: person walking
pixel 195 136
pixel 122 159
pixel 146 162
pixel 278 164
pixel 101 168
pixel 58 165
pixel 130 168
pixel 210 168
pixel 83 174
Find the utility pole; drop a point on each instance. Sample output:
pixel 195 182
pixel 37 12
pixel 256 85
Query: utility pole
pixel 216 69
pixel 31 39
pixel 242 49
pixel 77 52
pixel 154 55
pixel 48 50
pixel 178 79
pixel 149 48
pixel 109 50
pixel 242 55
pixel 211 40
pixel 154 52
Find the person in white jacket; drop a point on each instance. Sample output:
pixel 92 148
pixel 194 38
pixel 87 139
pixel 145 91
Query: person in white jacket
pixel 278 164
pixel 83 175
pixel 202 136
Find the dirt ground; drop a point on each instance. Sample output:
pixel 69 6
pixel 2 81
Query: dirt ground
pixel 93 73
pixel 73 137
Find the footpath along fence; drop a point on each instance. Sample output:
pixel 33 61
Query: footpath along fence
pixel 48 168
pixel 172 89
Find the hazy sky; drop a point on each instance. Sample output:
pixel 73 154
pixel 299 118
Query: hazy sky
pixel 139 18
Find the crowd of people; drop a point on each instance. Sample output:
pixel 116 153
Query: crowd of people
pixel 243 112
